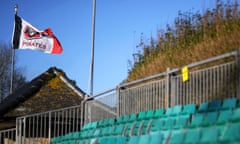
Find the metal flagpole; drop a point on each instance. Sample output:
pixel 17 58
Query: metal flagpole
pixel 13 57
pixel 93 40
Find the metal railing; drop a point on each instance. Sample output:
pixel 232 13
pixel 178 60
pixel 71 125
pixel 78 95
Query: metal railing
pixel 41 127
pixel 8 136
pixel 213 78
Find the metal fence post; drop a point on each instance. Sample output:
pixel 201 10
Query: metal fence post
pixel 167 89
pixel 49 126
pixel 118 88
pixel 238 73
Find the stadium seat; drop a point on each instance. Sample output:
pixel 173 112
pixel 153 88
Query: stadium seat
pixel 203 107
pixel 156 125
pixel 144 139
pixel 177 137
pixel 169 123
pixel 209 135
pixel 97 132
pixel 158 113
pixel 109 122
pixel 142 115
pixel 210 118
pixel 214 105
pixel 103 140
pixel 197 120
pixel 236 115
pixel 224 116
pixel 229 103
pixel 150 114
pixel 192 136
pixel 123 119
pixel 132 118
pixel 182 121
pixel 168 112
pixel 156 138
pixel 231 134
pixel 76 135
pixel 120 140
pixel 91 125
pixel 176 110
pixel 188 109
pixel 119 130
pixel 133 140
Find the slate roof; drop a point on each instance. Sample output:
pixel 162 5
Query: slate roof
pixel 30 89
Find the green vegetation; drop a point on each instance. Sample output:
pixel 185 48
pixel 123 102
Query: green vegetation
pixel 193 37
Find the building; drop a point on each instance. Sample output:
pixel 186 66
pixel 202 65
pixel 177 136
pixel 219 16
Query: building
pixel 49 91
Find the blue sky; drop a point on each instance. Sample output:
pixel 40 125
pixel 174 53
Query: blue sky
pixel 119 24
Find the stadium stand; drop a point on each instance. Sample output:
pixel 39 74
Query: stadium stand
pixel 217 121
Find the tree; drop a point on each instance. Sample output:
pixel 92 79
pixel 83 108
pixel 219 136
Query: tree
pixel 5 72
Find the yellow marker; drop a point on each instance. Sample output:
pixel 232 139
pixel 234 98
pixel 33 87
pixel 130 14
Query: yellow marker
pixel 185 74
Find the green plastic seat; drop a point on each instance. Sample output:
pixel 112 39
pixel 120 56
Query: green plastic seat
pixel 188 109
pixel 236 115
pixel 214 105
pixel 103 140
pixel 56 139
pixel 150 114
pixel 144 139
pixel 203 107
pixel 76 135
pixel 168 112
pixel 156 124
pixel 182 121
pixel 177 110
pixel 229 103
pixel 159 113
pixel 133 140
pixel 224 116
pixel 120 140
pixel 123 119
pixel 192 136
pixel 132 118
pixel 91 125
pixel 104 131
pixel 197 120
pixel 231 133
pixel 156 138
pixel 177 137
pixel 97 132
pixel 84 134
pixel 173 111
pixel 169 123
pixel 110 122
pixel 119 130
pixel 209 135
pixel 142 115
pixel 210 118
pixel 101 123
pixel 90 133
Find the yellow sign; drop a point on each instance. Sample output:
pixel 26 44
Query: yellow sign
pixel 185 74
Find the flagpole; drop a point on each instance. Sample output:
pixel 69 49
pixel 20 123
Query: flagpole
pixel 13 56
pixel 93 41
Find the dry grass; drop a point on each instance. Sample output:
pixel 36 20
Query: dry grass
pixel 179 57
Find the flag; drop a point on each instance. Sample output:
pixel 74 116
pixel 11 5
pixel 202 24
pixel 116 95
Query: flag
pixel 26 36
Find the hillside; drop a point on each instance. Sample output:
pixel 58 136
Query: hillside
pixel 192 37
